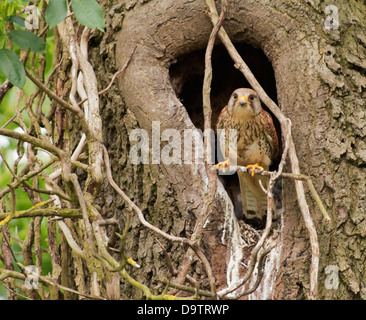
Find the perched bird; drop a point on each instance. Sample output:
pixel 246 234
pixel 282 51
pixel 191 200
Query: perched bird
pixel 257 146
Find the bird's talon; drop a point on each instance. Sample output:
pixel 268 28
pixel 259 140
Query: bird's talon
pixel 253 167
pixel 224 164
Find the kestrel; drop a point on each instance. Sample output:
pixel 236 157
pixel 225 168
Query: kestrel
pixel 257 146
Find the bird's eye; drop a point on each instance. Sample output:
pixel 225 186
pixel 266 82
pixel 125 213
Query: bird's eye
pixel 235 96
pixel 251 97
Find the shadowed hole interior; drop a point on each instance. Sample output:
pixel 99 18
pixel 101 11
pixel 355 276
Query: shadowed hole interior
pixel 186 77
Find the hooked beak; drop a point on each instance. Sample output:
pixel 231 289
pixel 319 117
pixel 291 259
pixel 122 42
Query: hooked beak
pixel 243 100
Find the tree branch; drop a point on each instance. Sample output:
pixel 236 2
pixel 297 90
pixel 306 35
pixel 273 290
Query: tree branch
pixel 42 144
pixel 45 212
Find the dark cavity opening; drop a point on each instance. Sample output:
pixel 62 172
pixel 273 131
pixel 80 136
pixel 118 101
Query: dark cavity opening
pixel 186 77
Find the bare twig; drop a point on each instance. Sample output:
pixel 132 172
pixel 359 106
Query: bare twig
pixel 188 289
pixel 77 111
pixel 292 176
pixel 197 250
pixel 172 270
pixel 4 88
pixel 21 276
pixel 48 212
pixel 211 175
pixel 32 140
pixel 118 72
pixel 70 239
pixel 135 208
pixel 113 77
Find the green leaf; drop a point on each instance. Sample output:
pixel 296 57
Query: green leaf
pixel 12 67
pixel 89 13
pixel 56 12
pixel 15 19
pixel 2 40
pixel 27 40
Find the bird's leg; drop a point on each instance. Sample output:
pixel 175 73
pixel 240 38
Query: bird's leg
pixel 253 167
pixel 224 164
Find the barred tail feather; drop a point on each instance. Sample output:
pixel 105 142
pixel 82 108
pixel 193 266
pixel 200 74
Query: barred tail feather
pixel 254 200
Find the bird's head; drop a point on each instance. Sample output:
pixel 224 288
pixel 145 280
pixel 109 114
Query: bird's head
pixel 245 103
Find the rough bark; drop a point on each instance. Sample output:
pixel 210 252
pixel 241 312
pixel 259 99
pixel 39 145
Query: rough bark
pixel 320 77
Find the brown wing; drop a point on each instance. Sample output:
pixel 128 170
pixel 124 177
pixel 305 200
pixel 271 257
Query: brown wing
pixel 220 124
pixel 271 131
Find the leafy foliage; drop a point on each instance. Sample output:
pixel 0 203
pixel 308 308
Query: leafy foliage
pixel 56 12
pixel 12 67
pixel 87 12
pixel 27 40
pixel 15 38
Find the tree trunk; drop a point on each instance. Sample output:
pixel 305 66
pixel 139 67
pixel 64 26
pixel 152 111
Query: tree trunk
pixel 320 84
